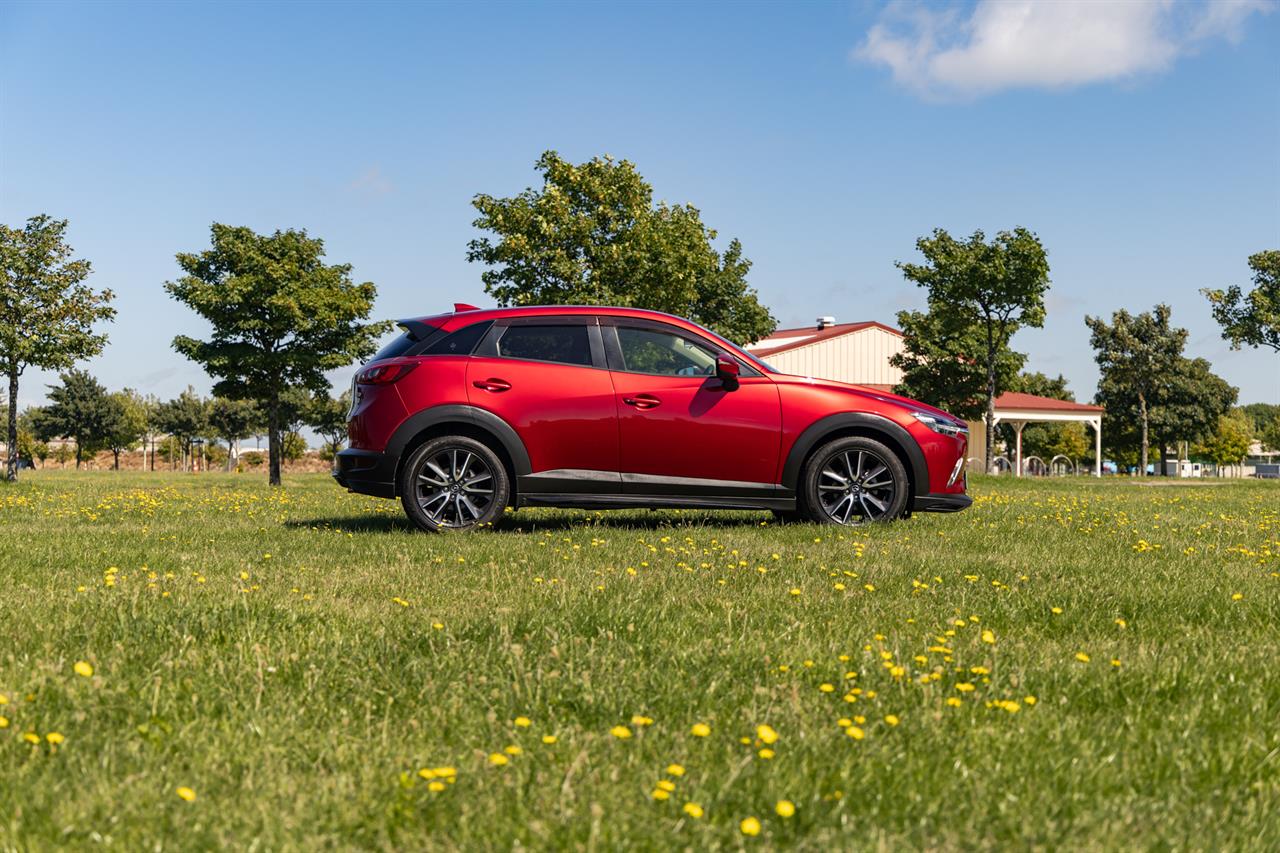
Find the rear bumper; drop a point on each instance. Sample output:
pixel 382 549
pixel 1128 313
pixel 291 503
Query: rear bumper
pixel 940 503
pixel 365 471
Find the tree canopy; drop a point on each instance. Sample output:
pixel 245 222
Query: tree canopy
pixel 1251 318
pixel 1229 441
pixel 979 294
pixel 47 312
pixel 281 317
pixel 126 423
pixel 592 235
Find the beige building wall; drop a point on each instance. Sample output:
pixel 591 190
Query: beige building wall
pixel 860 357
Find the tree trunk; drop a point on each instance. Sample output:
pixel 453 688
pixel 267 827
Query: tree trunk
pixel 273 440
pixel 115 465
pixel 231 452
pixel 77 454
pixel 11 469
pixel 1142 413
pixel 991 396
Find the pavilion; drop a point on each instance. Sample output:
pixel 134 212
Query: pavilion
pixel 1018 410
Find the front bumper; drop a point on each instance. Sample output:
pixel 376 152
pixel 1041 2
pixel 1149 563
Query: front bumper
pixel 367 472
pixel 941 503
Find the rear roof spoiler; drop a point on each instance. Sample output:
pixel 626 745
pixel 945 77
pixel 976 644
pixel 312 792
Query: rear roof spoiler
pixel 419 329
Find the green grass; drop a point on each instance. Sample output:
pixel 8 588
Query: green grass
pixel 295 657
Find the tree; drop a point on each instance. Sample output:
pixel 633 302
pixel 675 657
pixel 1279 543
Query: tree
pixel 232 421
pixel 1135 355
pixel 938 366
pixel 981 293
pixel 293 446
pixel 1253 318
pixel 1188 405
pixel 126 423
pixel 185 418
pixel 280 317
pixel 592 235
pixel 47 313
pixel 1229 443
pixel 79 409
pixel 1266 424
pixel 328 417
pixel 1047 440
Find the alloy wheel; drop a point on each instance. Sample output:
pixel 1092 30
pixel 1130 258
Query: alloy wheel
pixel 454 487
pixel 855 487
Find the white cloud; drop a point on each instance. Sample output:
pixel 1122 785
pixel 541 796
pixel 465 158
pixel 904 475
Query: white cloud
pixel 371 182
pixel 1046 44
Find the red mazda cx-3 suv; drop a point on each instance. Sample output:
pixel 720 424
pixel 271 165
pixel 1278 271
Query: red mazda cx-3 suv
pixel 468 413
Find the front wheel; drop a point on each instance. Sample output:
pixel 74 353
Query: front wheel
pixel 853 481
pixel 453 483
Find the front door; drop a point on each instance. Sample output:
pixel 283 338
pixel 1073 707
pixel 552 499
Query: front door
pixel 681 431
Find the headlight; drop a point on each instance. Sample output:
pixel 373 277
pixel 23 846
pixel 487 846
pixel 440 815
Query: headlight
pixel 940 425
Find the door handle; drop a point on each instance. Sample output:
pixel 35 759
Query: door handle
pixel 495 385
pixel 642 401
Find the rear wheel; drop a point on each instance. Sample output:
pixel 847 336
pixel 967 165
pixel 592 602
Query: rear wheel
pixel 453 483
pixel 853 481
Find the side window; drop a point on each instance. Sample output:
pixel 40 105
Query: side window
pixel 461 342
pixel 562 344
pixel 663 353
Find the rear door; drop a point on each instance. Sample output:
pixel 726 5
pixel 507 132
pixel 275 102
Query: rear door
pixel 681 430
pixel 547 377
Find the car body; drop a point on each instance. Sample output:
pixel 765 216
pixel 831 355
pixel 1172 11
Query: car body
pixel 587 406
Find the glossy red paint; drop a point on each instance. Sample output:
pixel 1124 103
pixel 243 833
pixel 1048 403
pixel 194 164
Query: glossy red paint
pixel 609 423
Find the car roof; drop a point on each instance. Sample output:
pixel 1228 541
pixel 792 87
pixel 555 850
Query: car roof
pixel 468 315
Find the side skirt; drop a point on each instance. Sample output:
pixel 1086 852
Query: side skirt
pixel 585 501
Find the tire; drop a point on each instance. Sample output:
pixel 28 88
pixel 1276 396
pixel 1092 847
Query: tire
pixel 853 481
pixel 453 483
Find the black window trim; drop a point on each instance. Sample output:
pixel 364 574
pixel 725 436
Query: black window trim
pixel 613 348
pixel 488 347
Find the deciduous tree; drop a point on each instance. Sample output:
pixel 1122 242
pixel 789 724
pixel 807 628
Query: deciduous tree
pixel 47 313
pixel 126 423
pixel 328 417
pixel 281 317
pixel 232 421
pixel 1136 355
pixel 979 294
pixel 1229 442
pixel 592 235
pixel 185 418
pixel 1251 318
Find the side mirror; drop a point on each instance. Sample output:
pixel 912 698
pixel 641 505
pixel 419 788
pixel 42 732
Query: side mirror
pixel 727 370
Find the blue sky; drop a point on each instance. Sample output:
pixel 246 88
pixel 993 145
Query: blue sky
pixel 1140 141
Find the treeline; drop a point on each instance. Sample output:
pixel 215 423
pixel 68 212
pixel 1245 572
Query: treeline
pixel 83 419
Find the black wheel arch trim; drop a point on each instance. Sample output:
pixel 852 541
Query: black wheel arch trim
pixel 866 423
pixel 486 421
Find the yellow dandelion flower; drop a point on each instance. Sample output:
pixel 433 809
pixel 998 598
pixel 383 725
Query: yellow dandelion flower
pixel 549 739
pixel 989 636
pixel 827 688
pixel 185 793
pixel 855 732
pixel 523 722
pixel 54 738
pixel 1236 596
pixel 83 668
pixel 965 687
pixel 31 737
pixel 750 826
pixel 954 701
pixel 785 808
pixel 4 722
pixel 437 786
pixel 693 810
pixel 497 759
pixel 700 730
pixel 427 773
pixel 767 734
pixel 675 770
pixel 1082 657
pixel 1056 611
pixel 892 719
pixel 666 785
pixel 767 753
pixel 513 750
pixel 620 732
pixel 660 794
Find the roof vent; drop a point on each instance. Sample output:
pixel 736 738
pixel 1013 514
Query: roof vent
pixel 824 322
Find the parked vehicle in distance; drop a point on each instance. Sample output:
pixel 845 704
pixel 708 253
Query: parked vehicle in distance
pixel 468 413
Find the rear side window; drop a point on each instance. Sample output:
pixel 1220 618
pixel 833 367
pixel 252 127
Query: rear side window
pixel 561 344
pixel 398 346
pixel 461 342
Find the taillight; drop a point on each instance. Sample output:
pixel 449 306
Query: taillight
pixel 384 374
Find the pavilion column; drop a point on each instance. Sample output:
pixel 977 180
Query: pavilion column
pixel 1017 445
pixel 1097 446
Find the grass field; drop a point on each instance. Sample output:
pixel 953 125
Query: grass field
pixel 198 661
